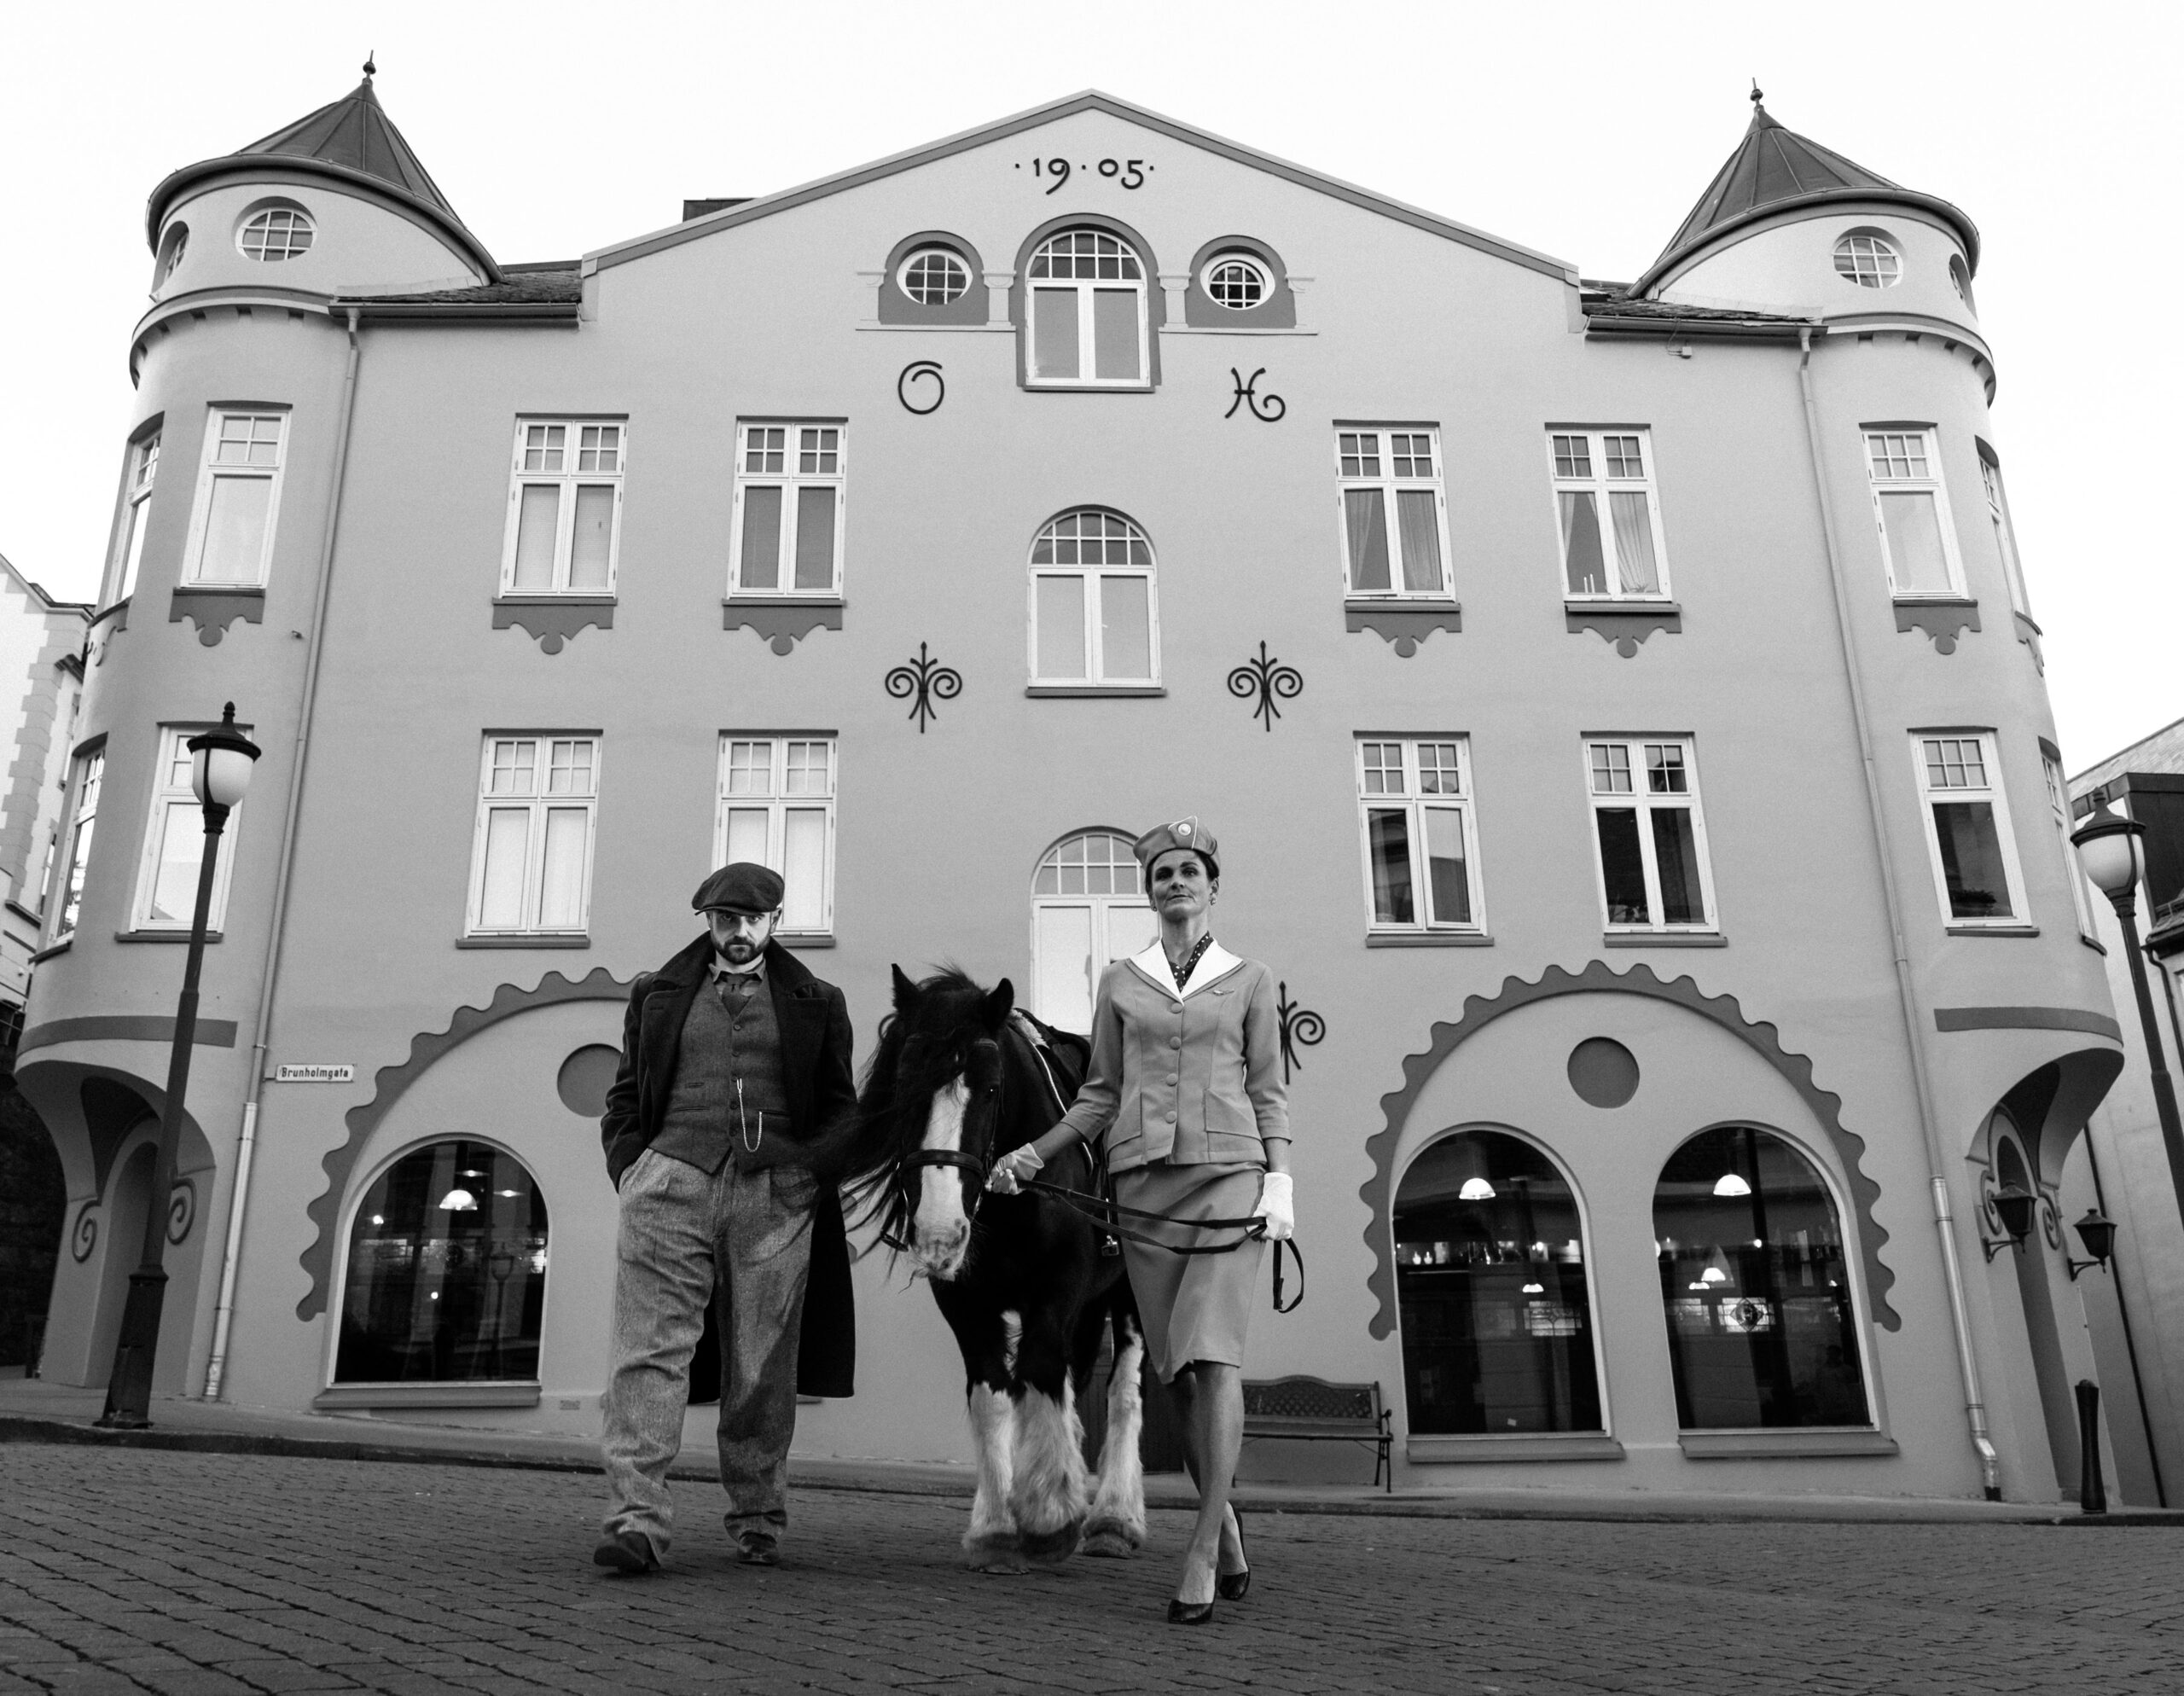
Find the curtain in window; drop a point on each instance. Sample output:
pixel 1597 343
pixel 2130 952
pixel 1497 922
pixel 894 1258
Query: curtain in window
pixel 1633 515
pixel 1059 610
pixel 1676 853
pixel 814 538
pixel 1114 333
pixel 804 871
pixel 1417 522
pixel 1054 333
pixel 1367 522
pixel 1584 567
pixel 560 899
pixel 1444 866
pixel 746 835
pixel 1387 839
pixel 594 535
pixel 1972 860
pixel 234 530
pixel 1914 542
pixel 508 835
pixel 762 537
pixel 1125 629
pixel 534 537
pixel 182 852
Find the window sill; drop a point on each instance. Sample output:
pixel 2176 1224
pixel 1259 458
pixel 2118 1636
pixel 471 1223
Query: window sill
pixel 563 597
pixel 23 912
pixel 973 329
pixel 1403 622
pixel 1233 330
pixel 1623 622
pixel 814 598
pixel 524 942
pixel 1086 691
pixel 809 939
pixel 1994 931
pixel 501 1394
pixel 211 608
pixel 186 590
pixel 1941 619
pixel 1633 606
pixel 554 620
pixel 1742 1445
pixel 60 947
pixel 1428 939
pixel 1089 388
pixel 1663 939
pixel 783 620
pixel 162 936
pixel 1490 1450
pixel 2097 946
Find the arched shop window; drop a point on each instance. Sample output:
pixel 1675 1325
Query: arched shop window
pixel 1497 1326
pixel 1761 1327
pixel 447 1271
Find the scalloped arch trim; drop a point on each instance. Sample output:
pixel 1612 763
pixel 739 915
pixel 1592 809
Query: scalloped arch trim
pixel 393 1082
pixel 1377 1191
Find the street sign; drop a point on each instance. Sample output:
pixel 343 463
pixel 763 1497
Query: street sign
pixel 314 1074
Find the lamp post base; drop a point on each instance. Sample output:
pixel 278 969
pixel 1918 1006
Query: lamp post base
pixel 129 1390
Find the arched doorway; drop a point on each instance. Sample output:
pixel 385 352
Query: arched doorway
pixel 2051 1375
pixel 129 1193
pixel 1087 910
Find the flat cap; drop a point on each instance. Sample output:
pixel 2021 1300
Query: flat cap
pixel 1184 832
pixel 742 888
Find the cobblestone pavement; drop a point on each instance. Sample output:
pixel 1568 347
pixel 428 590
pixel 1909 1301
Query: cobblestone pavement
pixel 134 1570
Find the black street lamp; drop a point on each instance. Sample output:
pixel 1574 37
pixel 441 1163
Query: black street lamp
pixel 220 761
pixel 2113 856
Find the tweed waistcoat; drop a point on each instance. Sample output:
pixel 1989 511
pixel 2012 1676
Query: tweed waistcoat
pixel 730 1091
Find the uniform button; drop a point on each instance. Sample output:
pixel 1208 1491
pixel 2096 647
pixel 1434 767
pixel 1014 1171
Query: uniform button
pixel 1171 1077
pixel 1175 1041
pixel 1171 1117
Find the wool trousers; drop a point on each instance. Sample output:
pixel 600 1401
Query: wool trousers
pixel 682 1234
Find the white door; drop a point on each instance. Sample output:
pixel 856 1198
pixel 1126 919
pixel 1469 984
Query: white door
pixel 1088 910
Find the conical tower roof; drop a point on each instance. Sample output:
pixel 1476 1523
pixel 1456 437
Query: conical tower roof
pixel 1774 169
pixel 351 139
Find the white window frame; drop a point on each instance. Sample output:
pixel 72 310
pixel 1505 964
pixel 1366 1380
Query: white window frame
pixel 778 802
pixel 1085 288
pixel 529 469
pixel 1599 481
pixel 1093 578
pixel 802 439
pixel 1414 802
pixel 1637 750
pixel 960 267
pixel 1881 259
pixel 2018 917
pixel 2059 810
pixel 87 779
pixel 172 797
pixel 1252 263
pixel 536 801
pixel 216 470
pixel 1375 470
pixel 1998 513
pixel 139 476
pixel 1929 449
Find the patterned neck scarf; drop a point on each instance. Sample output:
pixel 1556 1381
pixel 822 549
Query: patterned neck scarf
pixel 1190 961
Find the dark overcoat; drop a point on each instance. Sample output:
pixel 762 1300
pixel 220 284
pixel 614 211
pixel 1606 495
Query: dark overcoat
pixel 814 1021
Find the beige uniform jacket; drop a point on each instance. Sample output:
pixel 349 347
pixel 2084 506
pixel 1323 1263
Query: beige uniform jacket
pixel 1190 1076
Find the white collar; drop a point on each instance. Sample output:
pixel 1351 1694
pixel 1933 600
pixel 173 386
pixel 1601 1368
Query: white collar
pixel 1215 963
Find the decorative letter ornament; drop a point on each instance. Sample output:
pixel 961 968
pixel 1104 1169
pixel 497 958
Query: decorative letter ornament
pixel 1267 408
pixel 1300 1028
pixel 1266 677
pixel 921 371
pixel 929 681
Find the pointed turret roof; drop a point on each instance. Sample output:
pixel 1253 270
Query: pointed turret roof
pixel 351 139
pixel 1774 170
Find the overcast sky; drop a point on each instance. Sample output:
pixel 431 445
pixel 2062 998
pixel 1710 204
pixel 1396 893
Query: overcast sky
pixel 1583 131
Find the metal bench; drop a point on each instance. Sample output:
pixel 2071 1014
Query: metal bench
pixel 1304 1409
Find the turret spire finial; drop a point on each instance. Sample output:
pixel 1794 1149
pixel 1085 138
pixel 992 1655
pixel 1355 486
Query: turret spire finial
pixel 371 70
pixel 1757 96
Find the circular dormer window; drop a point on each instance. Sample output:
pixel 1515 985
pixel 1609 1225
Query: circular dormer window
pixel 1237 282
pixel 170 252
pixel 935 276
pixel 276 233
pixel 1868 258
pixel 1959 278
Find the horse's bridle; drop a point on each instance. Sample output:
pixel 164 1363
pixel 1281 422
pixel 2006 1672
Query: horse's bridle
pixel 982 1077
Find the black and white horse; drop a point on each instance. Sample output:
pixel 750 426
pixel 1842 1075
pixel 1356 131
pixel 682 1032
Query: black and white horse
pixel 960 1078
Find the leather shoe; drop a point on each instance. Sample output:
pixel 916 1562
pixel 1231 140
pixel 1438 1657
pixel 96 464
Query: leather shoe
pixel 1233 1586
pixel 627 1552
pixel 757 1548
pixel 1189 1613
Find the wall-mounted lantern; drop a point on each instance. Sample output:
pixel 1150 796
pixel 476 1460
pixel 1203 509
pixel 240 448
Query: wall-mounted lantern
pixel 2097 1231
pixel 2014 1205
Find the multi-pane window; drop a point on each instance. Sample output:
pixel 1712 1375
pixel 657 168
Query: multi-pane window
pixel 1087 910
pixel 2058 810
pixel 1237 282
pixel 136 512
pixel 1911 511
pixel 776 807
pixel 1415 812
pixel 1998 513
pixel 1868 258
pixel 1394 525
pixel 1968 834
pixel 276 233
pixel 1609 517
pixel 90 777
pixel 537 811
pixel 565 507
pixel 174 844
pixel 1094 617
pixel 935 276
pixel 787 523
pixel 1652 840
pixel 1089 320
pixel 238 499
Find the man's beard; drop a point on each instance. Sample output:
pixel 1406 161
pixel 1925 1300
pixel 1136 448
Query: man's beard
pixel 740 952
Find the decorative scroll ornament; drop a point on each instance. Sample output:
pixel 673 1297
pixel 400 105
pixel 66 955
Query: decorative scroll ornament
pixel 1267 408
pixel 928 680
pixel 917 374
pixel 1269 679
pixel 181 1211
pixel 85 1237
pixel 1301 1027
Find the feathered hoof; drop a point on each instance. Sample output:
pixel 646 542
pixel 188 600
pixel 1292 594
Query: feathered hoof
pixel 1000 1556
pixel 1051 1549
pixel 1108 1539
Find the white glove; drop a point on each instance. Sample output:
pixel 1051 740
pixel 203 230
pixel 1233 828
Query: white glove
pixel 1277 1207
pixel 1015 1168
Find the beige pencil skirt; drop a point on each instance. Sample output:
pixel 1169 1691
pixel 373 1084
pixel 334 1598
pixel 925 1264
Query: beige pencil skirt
pixel 1194 1307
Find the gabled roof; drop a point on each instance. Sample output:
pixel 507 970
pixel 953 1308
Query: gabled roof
pixel 1774 169
pixel 1091 100
pixel 352 140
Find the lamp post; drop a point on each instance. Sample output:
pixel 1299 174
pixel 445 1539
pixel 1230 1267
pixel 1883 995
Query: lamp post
pixel 220 761
pixel 2113 856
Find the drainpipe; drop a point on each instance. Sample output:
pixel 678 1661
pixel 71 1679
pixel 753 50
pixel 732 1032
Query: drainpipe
pixel 1975 1407
pixel 216 1368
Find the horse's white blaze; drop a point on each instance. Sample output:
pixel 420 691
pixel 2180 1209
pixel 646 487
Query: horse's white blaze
pixel 940 1236
pixel 992 1432
pixel 1047 1491
pixel 1118 1502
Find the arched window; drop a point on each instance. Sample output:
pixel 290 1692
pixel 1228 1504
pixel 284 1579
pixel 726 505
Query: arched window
pixel 171 250
pixel 935 276
pixel 276 233
pixel 1868 258
pixel 1088 911
pixel 1960 279
pixel 447 1271
pixel 1094 616
pixel 1753 1276
pixel 1238 281
pixel 1088 311
pixel 1497 1313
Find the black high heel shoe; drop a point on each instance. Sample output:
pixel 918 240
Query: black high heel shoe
pixel 1189 1613
pixel 1234 1587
